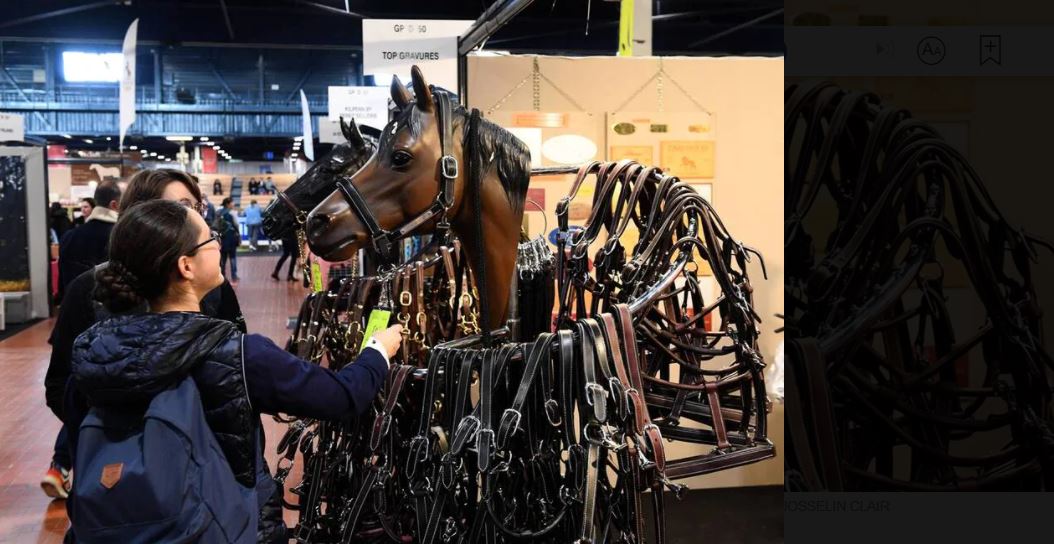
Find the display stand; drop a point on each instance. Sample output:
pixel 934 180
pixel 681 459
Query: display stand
pixel 24 257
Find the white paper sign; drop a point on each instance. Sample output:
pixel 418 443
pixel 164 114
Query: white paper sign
pixel 366 105
pixel 80 192
pixel 392 46
pixel 329 132
pixel 12 127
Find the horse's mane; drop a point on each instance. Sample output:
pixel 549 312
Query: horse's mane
pixel 512 158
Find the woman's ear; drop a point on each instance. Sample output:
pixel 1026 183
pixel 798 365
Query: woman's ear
pixel 185 266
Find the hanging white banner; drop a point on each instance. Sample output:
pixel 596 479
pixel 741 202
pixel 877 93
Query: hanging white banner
pixel 309 144
pixel 126 115
pixel 392 46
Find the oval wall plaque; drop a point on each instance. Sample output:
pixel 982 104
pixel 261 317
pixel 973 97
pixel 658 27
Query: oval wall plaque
pixel 569 149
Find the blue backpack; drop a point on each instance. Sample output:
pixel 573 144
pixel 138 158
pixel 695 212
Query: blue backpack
pixel 158 476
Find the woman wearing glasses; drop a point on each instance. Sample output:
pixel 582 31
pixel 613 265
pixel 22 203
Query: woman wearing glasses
pixel 79 311
pixel 165 255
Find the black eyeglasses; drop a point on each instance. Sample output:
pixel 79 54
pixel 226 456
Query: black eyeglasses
pixel 213 236
pixel 196 206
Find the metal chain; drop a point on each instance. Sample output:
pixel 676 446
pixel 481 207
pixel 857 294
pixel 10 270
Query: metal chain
pixel 536 88
pixel 501 102
pixel 301 239
pixel 689 96
pixel 562 93
pixel 658 85
pixel 535 76
pixel 662 76
pixel 637 92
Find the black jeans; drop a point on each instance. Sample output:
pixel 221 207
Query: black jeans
pixel 61 457
pixel 291 252
pixel 232 255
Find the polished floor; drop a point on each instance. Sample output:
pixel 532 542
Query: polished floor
pixel 27 427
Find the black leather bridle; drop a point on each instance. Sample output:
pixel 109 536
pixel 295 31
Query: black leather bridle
pixel 383 241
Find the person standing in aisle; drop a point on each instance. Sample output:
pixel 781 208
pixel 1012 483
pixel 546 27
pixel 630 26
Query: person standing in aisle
pixel 210 212
pixel 84 247
pixel 230 238
pixel 86 207
pixel 253 220
pixel 291 251
pixel 59 220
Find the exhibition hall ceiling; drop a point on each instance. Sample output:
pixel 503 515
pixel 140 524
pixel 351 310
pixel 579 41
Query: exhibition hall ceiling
pixel 545 26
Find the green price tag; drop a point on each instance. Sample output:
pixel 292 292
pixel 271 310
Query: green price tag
pixel 316 277
pixel 378 320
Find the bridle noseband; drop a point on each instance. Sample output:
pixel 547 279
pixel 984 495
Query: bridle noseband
pixel 384 241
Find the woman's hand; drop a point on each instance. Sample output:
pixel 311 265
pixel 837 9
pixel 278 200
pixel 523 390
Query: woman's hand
pixel 391 338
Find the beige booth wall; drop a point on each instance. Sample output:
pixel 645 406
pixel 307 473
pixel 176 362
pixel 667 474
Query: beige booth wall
pixel 745 95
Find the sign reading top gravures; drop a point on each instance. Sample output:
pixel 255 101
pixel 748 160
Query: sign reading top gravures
pixel 394 45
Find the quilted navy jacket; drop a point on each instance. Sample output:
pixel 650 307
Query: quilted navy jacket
pixel 124 361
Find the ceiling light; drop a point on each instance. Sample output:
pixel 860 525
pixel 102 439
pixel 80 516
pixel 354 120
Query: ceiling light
pixel 133 147
pixel 89 141
pixel 204 138
pixel 212 144
pixel 179 138
pixel 151 154
pixel 297 138
pixel 67 136
pixel 108 138
pixel 92 66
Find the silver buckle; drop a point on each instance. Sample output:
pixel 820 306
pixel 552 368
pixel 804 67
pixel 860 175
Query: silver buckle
pixel 448 166
pixel 513 416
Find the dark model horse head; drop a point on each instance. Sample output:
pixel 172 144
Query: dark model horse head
pixel 311 188
pixel 402 180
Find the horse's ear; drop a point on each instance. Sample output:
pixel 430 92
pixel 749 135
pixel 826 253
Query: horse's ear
pixel 351 132
pixel 400 95
pixel 421 90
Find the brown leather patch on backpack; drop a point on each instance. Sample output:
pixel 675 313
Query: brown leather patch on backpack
pixel 111 474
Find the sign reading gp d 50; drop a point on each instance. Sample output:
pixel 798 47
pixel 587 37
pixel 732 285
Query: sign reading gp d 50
pixel 392 46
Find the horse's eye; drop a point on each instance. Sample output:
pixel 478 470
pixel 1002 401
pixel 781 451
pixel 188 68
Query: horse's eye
pixel 401 158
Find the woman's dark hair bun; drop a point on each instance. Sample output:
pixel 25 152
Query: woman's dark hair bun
pixel 116 287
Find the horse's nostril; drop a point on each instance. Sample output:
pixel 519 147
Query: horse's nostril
pixel 317 222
